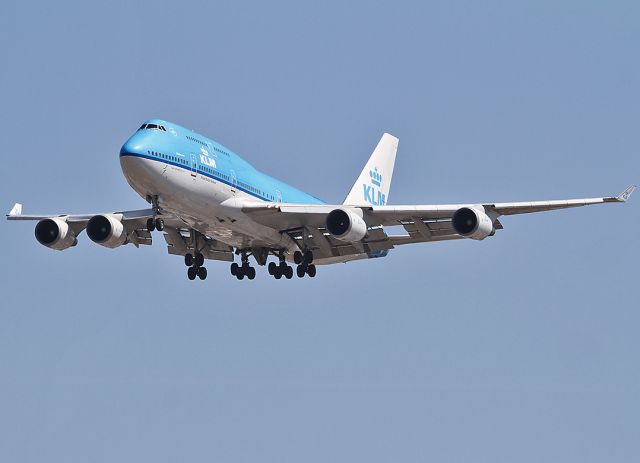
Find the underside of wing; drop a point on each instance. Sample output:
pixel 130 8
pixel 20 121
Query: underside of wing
pixel 60 231
pixel 307 223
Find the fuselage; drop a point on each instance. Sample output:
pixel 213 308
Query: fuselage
pixel 204 183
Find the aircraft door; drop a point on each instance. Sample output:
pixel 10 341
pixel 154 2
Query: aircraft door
pixel 234 181
pixel 194 166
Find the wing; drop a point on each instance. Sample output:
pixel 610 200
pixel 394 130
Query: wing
pixel 134 222
pixel 305 223
pixel 180 238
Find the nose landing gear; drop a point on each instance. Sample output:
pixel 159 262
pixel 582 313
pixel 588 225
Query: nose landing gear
pixel 154 223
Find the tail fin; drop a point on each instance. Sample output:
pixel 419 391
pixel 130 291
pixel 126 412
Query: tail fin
pixel 372 186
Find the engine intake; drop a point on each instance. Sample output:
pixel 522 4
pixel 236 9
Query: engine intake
pixel 473 223
pixel 346 225
pixel 106 230
pixel 55 234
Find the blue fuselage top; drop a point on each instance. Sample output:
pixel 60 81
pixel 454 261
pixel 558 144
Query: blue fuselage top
pixel 163 141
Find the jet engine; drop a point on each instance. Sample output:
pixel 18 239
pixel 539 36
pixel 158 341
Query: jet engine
pixel 106 230
pixel 346 225
pixel 472 222
pixel 55 233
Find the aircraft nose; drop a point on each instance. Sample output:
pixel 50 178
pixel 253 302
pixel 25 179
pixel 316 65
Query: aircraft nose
pixel 133 145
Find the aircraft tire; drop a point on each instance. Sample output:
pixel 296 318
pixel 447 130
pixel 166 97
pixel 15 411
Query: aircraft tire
pixel 272 268
pixel 300 271
pixel 188 259
pixel 191 273
pixel 202 273
pixel 297 257
pixel 308 257
pixel 151 226
pixel 311 270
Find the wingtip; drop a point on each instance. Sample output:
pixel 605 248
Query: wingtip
pixel 15 210
pixel 626 194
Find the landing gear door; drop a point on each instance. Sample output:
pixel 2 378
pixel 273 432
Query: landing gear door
pixel 194 165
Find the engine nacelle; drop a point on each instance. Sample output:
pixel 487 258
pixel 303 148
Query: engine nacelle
pixel 55 233
pixel 106 230
pixel 472 222
pixel 346 225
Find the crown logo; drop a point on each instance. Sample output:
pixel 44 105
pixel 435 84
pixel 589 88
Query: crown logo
pixel 376 178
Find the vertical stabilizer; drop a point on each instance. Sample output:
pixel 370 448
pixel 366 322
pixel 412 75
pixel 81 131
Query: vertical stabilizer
pixel 372 186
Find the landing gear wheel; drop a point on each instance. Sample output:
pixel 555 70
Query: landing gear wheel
pixel 300 271
pixel 251 273
pixel 308 257
pixel 272 268
pixel 278 272
pixel 191 273
pixel 240 274
pixel 151 225
pixel 297 257
pixel 159 224
pixel 311 270
pixel 188 259
pixel 199 260
pixel 202 273
pixel 288 272
pixel 234 269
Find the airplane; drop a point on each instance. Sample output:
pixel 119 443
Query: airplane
pixel 210 204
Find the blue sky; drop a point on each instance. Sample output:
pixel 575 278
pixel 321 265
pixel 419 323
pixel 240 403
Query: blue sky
pixel 523 347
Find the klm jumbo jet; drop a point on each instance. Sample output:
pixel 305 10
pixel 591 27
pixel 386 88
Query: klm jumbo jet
pixel 209 203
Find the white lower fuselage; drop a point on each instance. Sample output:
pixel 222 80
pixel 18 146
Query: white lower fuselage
pixel 210 207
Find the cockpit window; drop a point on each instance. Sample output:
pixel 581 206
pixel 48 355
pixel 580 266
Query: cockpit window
pixel 152 127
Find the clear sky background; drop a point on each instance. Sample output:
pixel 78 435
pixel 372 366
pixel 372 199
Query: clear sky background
pixel 523 347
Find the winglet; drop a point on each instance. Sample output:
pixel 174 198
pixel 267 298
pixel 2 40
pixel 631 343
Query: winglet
pixel 16 210
pixel 622 197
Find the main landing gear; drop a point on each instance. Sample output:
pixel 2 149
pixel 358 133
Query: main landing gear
pixel 280 270
pixel 276 269
pixel 244 270
pixel 195 264
pixel 305 265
